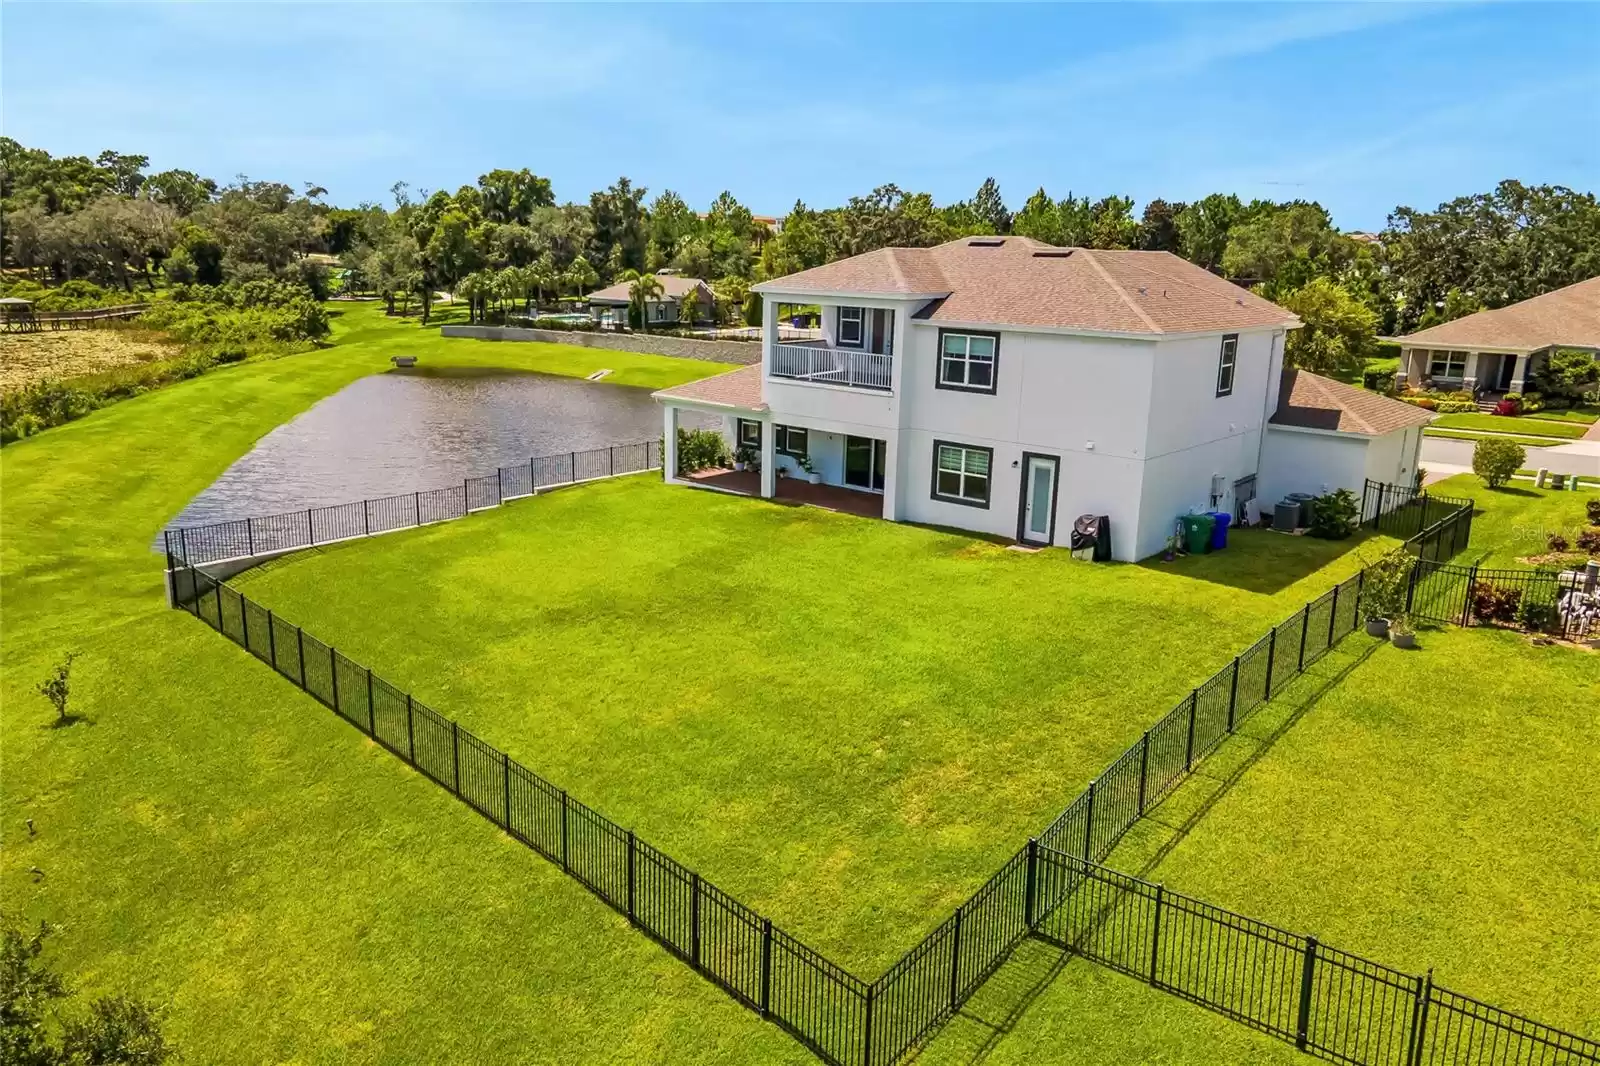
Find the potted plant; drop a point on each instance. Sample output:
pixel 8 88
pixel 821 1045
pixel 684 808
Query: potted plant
pixel 1401 635
pixel 811 472
pixel 743 457
pixel 1172 548
pixel 1383 591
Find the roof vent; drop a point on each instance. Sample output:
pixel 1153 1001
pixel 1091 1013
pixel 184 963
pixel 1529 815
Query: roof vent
pixel 1239 300
pixel 986 242
pixel 1144 290
pixel 1052 253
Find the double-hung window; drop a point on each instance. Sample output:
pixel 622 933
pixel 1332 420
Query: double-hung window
pixel 1225 364
pixel 961 473
pixel 749 433
pixel 967 361
pixel 852 327
pixel 1452 366
pixel 792 441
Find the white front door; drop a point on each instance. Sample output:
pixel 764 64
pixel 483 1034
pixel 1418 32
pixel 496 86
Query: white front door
pixel 1038 499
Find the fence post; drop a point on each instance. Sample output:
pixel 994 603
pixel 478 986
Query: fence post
pixel 766 966
pixel 1088 822
pixel 416 503
pixel 633 849
pixel 311 530
pixel 455 753
pixel 333 678
pixel 217 588
pixel 272 640
pixel 1361 586
pixel 505 765
pixel 1030 886
pixel 866 1057
pixel 611 461
pixel 183 546
pixel 1144 766
pixel 1466 603
pixel 366 518
pixel 1155 938
pixel 955 963
pixel 1303 1025
pixel 565 866
pixel 572 466
pixel 1411 583
pixel 300 653
pixel 244 617
pixel 250 536
pixel 499 485
pixel 1333 615
pixel 1305 624
pixel 1272 653
pixel 1233 692
pixel 411 733
pixel 1188 745
pixel 1419 1019
pixel 466 502
pixel 694 919
pixel 372 717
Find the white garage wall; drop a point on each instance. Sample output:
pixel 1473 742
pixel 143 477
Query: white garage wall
pixel 1392 458
pixel 1295 460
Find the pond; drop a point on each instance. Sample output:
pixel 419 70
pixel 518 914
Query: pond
pixel 408 431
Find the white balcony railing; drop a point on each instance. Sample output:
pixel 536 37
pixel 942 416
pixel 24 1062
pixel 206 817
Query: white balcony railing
pixel 833 366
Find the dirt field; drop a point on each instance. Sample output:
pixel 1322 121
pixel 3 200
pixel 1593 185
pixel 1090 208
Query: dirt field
pixel 29 357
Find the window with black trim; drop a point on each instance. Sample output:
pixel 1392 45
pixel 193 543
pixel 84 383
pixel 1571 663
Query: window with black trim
pixel 793 441
pixel 852 327
pixel 748 433
pixel 961 473
pixel 1226 363
pixel 1451 366
pixel 967 361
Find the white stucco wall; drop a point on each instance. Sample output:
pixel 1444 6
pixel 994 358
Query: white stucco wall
pixel 1302 461
pixel 1392 458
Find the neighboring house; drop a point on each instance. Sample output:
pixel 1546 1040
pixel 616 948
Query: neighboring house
pixel 1006 386
pixel 609 306
pixel 1326 435
pixel 1498 351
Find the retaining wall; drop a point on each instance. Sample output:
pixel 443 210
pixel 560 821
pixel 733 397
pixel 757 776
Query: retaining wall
pixel 741 353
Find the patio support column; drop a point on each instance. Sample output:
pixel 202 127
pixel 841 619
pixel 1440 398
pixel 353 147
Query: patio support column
pixel 669 440
pixel 769 460
pixel 1519 374
pixel 769 332
pixel 891 464
pixel 1469 376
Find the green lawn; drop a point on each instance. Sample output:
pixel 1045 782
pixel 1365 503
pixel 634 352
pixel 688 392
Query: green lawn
pixel 215 841
pixel 1588 414
pixel 848 724
pixel 1428 808
pixel 1526 442
pixel 1515 520
pixel 1509 424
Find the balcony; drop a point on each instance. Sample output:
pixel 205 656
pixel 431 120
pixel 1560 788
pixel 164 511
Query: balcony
pixel 823 365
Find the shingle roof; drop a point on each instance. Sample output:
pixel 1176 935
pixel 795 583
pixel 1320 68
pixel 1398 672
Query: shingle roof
pixel 738 388
pixel 1007 281
pixel 673 287
pixel 1311 401
pixel 1568 316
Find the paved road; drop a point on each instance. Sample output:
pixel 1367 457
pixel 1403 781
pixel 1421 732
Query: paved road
pixel 1581 457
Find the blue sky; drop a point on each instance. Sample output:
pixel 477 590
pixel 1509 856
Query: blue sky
pixel 1361 107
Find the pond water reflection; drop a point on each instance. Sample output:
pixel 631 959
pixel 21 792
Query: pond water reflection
pixel 402 432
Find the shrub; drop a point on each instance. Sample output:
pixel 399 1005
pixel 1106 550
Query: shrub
pixel 1495 603
pixel 700 449
pixel 1567 375
pixel 1532 403
pixel 1496 460
pixel 1535 617
pixel 1333 515
pixel 1456 407
pixel 1589 541
pixel 1593 509
pixel 1427 403
pixel 1507 406
pixel 1383 590
pixel 1379 380
pixel 1557 542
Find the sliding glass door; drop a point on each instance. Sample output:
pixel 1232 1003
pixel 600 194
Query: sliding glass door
pixel 864 460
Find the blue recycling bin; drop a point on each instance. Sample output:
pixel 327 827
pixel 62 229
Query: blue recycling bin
pixel 1219 532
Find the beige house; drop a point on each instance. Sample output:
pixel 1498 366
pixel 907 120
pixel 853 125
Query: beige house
pixel 609 306
pixel 1496 352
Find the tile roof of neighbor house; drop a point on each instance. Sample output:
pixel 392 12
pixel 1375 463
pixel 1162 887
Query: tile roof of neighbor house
pixel 738 388
pixel 1311 401
pixel 1566 316
pixel 673 287
pixel 1017 281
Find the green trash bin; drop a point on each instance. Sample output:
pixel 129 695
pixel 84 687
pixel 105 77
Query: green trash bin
pixel 1197 533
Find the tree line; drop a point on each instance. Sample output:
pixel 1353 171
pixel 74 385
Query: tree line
pixel 507 238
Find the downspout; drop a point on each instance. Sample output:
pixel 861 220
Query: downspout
pixel 1270 398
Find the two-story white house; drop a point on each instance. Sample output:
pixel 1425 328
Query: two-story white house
pixel 1005 386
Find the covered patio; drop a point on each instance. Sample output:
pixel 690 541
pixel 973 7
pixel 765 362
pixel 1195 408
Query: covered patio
pixel 791 490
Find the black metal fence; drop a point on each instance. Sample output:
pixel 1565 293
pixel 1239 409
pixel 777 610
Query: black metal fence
pixel 196 545
pixel 1412 514
pixel 839 1016
pixel 1326 1001
pixel 1562 604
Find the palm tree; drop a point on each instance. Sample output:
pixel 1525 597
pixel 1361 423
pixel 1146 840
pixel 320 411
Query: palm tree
pixel 544 275
pixel 640 290
pixel 582 275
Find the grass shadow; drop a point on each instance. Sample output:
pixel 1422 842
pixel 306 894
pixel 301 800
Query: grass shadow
pixel 1262 560
pixel 66 721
